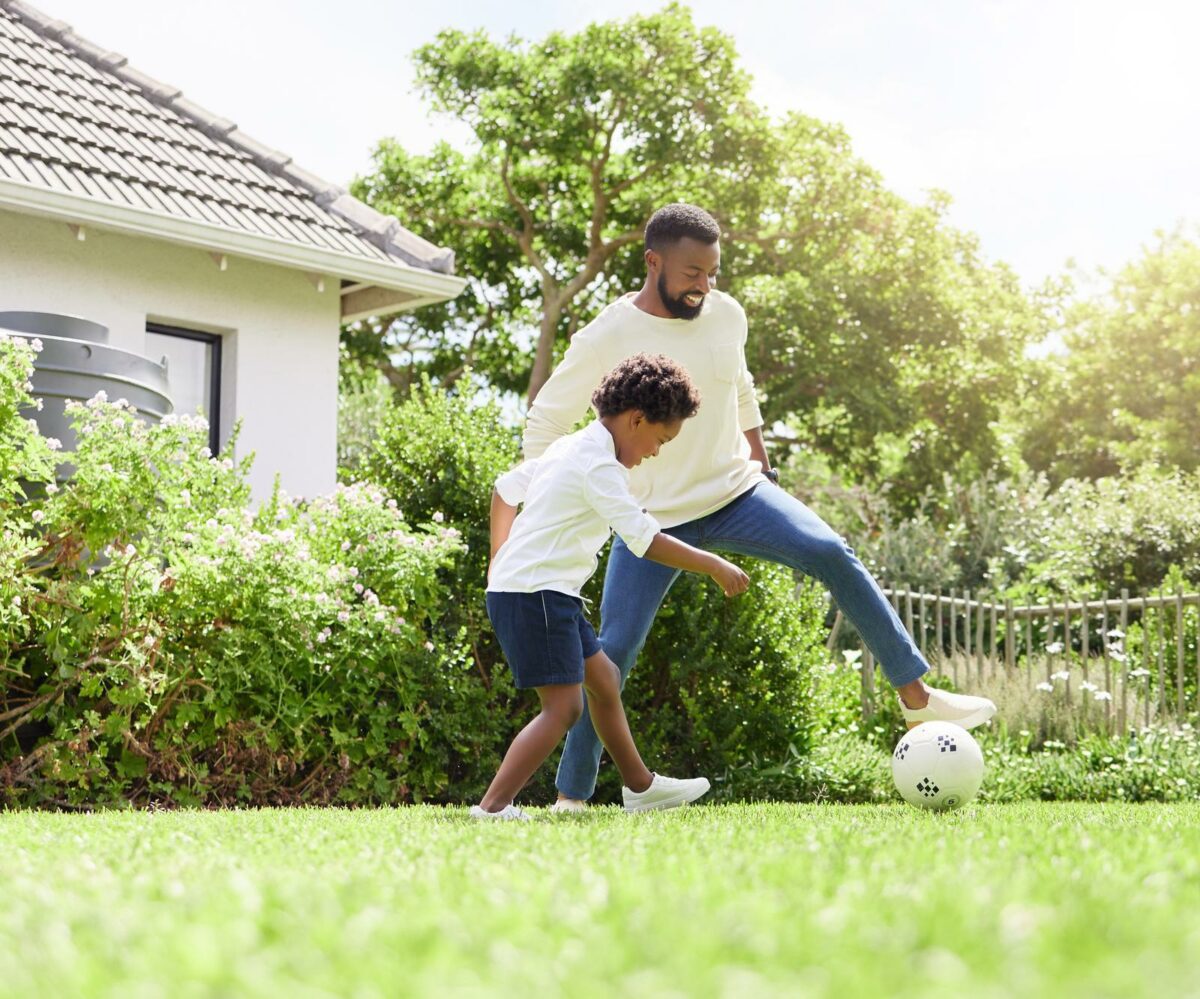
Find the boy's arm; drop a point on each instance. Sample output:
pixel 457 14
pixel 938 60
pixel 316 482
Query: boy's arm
pixel 680 555
pixel 564 399
pixel 608 494
pixel 503 515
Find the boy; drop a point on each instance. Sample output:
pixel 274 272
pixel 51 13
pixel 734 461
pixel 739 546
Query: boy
pixel 574 495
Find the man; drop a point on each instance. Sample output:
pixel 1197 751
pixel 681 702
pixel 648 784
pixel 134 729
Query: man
pixel 714 488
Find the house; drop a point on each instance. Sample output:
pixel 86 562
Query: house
pixel 125 204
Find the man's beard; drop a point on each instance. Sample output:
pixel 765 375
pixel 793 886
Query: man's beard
pixel 677 306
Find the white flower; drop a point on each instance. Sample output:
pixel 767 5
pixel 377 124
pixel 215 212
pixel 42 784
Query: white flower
pixel 52 488
pixel 1138 673
pixel 343 616
pixel 381 615
pixel 1047 687
pixel 358 587
pixel 37 404
pixel 1116 633
pixel 429 646
pixel 1087 685
pixel 1054 648
pixel 438 517
pixel 37 344
pixel 1060 675
pixel 354 571
pixel 53 443
pixel 204 452
pixel 345 546
pixel 38 516
pixel 1103 695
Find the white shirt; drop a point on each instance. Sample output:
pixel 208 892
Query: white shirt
pixel 575 495
pixel 708 464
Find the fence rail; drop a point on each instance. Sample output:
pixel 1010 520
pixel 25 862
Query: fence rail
pixel 958 631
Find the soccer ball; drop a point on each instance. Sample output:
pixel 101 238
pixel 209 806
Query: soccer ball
pixel 937 765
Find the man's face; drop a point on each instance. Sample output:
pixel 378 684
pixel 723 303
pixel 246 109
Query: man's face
pixel 686 273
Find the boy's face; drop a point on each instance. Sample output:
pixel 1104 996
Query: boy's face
pixel 637 438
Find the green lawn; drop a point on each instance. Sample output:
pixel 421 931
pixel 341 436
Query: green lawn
pixel 1016 900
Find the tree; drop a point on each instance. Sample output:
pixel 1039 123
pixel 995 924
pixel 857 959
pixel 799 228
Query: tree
pixel 876 329
pixel 1127 390
pixel 580 137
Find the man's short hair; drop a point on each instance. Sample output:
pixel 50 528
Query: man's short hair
pixel 653 383
pixel 671 223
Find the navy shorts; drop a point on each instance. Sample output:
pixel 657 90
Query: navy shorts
pixel 545 636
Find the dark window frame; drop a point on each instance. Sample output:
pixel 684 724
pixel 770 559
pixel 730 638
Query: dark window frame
pixel 214 388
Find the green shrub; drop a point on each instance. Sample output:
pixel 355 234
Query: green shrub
pixel 175 647
pixel 721 681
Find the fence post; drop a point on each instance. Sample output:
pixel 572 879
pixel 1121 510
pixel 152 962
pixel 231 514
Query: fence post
pixel 953 627
pixel 966 656
pixel 1145 656
pixel 923 644
pixel 980 648
pixel 1179 703
pixel 941 638
pixel 1123 718
pixel 1162 652
pixel 1108 684
pixel 1085 650
pixel 1028 646
pixel 867 679
pixel 1009 643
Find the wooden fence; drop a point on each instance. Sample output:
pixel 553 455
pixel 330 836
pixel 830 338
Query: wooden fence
pixel 960 634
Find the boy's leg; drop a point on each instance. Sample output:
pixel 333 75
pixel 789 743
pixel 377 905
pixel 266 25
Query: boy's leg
pixel 602 681
pixel 562 705
pixel 633 590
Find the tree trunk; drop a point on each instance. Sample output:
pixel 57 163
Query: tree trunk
pixel 544 353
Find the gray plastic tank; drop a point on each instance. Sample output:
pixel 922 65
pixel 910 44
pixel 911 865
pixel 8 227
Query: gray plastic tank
pixel 76 362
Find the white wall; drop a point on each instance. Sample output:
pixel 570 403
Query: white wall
pixel 279 334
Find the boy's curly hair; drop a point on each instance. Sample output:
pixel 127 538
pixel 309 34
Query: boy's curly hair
pixel 653 383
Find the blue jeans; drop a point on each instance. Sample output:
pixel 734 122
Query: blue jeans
pixel 767 523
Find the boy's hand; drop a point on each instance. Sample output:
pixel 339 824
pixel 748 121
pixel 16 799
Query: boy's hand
pixel 730 578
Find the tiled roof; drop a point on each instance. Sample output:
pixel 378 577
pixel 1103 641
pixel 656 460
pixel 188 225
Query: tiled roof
pixel 76 118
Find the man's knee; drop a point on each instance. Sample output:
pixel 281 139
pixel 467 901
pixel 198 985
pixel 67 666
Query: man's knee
pixel 827 552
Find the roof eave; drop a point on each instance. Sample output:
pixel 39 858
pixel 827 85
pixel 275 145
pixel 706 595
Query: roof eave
pixel 426 286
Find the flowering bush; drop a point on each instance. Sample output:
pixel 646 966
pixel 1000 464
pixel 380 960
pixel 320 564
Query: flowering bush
pixel 166 643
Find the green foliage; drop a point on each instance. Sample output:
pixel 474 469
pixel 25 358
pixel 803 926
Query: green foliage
pixel 164 643
pixel 578 138
pixel 364 400
pixel 723 679
pixel 1127 391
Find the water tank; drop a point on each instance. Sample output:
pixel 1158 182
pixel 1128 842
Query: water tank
pixel 76 362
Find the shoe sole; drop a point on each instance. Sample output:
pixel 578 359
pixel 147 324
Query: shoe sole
pixel 972 720
pixel 683 798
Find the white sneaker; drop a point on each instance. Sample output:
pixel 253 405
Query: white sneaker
pixel 509 813
pixel 664 792
pixel 573 805
pixel 964 710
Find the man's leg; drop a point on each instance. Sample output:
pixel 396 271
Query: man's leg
pixel 771 524
pixel 633 590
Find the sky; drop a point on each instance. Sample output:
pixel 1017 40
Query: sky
pixel 1062 129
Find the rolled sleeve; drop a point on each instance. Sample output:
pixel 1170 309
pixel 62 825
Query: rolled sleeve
pixel 749 415
pixel 514 484
pixel 607 492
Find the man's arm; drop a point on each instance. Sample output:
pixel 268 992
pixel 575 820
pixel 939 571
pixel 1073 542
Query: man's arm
pixel 564 399
pixel 758 447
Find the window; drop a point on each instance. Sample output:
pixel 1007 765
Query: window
pixel 193 371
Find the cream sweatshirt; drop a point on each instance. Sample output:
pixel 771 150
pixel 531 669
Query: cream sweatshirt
pixel 708 464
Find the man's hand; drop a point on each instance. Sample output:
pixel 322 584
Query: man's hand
pixel 730 578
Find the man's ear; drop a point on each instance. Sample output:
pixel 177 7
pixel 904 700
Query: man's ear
pixel 653 260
